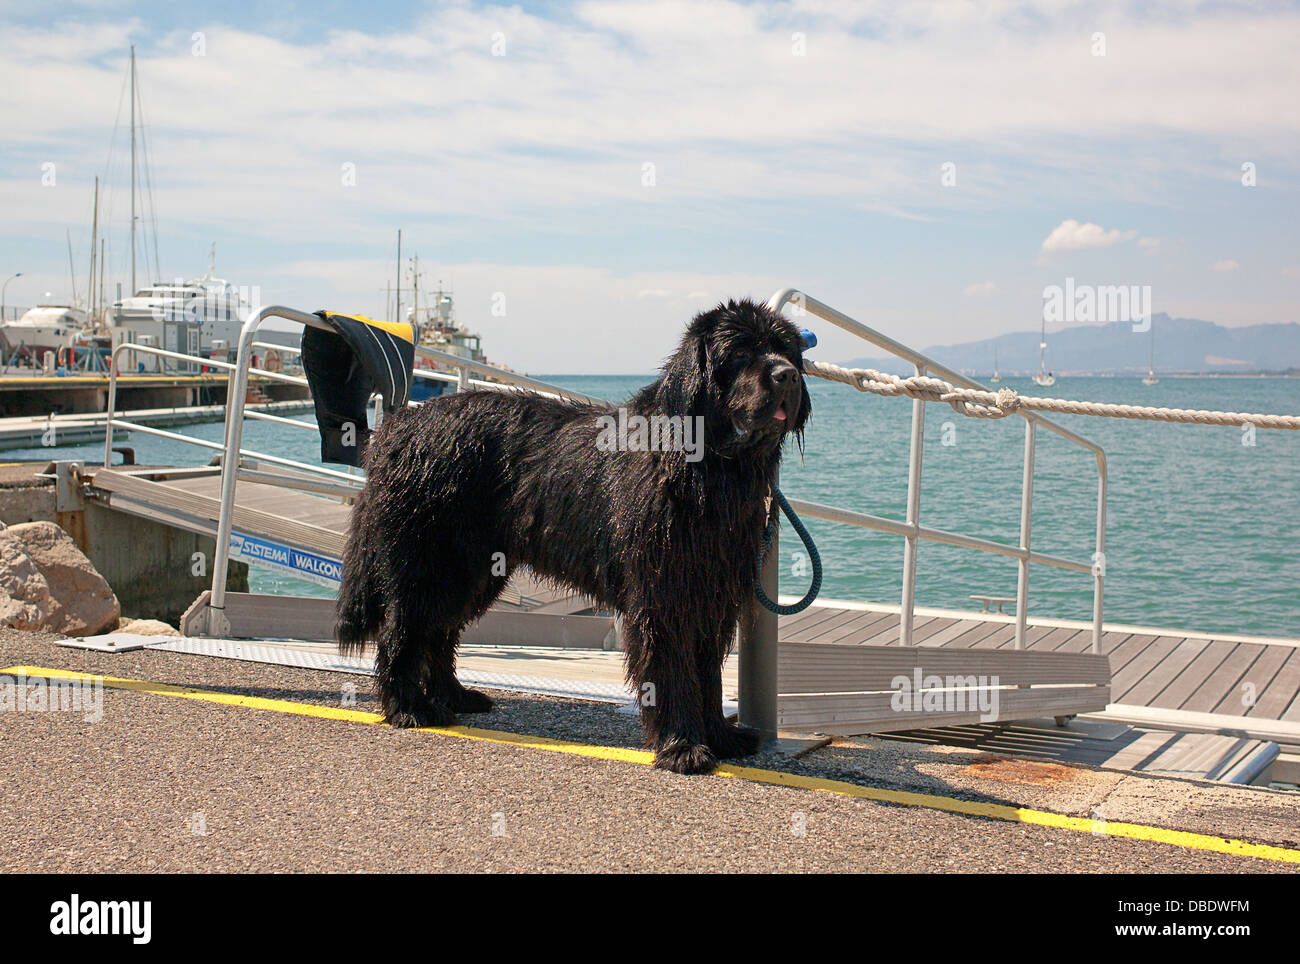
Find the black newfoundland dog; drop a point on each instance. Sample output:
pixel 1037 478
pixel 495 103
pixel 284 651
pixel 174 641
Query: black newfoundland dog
pixel 634 507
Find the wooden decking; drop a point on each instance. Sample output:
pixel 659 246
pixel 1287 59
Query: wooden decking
pixel 1255 678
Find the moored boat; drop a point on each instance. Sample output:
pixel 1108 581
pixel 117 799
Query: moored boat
pixel 40 330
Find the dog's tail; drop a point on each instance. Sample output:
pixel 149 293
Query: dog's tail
pixel 360 607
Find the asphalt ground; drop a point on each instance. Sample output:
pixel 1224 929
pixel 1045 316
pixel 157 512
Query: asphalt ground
pixel 164 784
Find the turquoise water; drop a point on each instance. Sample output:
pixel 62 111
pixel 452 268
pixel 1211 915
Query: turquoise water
pixel 1203 532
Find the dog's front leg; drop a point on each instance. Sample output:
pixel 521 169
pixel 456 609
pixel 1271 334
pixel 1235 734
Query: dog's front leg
pixel 724 738
pixel 663 669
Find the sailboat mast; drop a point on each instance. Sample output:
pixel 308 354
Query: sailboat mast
pixel 415 290
pixel 94 252
pixel 133 287
pixel 72 269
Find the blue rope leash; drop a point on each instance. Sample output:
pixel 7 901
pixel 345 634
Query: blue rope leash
pixel 816 586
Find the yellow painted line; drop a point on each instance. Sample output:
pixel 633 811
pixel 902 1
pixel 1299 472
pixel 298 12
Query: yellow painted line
pixel 972 808
pixel 337 713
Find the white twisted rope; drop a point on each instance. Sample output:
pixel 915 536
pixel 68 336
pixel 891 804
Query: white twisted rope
pixel 1006 401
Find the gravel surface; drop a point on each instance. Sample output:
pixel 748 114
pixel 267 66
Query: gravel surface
pixel 163 784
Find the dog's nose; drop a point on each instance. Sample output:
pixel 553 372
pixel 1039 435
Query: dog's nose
pixel 782 374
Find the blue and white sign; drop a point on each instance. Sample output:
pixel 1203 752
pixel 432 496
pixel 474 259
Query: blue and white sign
pixel 296 562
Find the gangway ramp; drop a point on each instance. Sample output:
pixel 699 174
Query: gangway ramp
pixel 191 499
pixel 315 525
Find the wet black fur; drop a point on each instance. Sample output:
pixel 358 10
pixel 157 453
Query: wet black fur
pixel 670 544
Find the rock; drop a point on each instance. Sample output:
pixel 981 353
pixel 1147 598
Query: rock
pixel 46 582
pixel 25 600
pixel 146 627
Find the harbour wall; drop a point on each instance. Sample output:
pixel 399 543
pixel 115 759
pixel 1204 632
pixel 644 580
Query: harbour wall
pixel 151 566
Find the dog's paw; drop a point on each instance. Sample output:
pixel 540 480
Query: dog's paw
pixel 682 756
pixel 733 741
pixel 471 701
pixel 428 714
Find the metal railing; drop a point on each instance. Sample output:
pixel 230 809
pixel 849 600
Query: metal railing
pixel 248 464
pixel 240 463
pixel 912 530
pixel 111 421
pixel 759 641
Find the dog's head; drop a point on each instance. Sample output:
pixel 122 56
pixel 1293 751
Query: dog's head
pixel 740 366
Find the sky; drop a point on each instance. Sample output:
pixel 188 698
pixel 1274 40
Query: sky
pixel 586 176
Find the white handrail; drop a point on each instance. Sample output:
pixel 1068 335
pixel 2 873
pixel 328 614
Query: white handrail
pixel 912 531
pixel 231 469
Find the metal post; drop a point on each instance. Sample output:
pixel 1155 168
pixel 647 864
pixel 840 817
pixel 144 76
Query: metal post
pixel 3 288
pixel 462 379
pixel 112 402
pixel 134 289
pixel 1026 518
pixel 758 653
pixel 236 391
pixel 912 541
pixel 1099 560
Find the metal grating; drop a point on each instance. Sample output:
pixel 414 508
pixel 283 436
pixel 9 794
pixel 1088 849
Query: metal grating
pixel 334 663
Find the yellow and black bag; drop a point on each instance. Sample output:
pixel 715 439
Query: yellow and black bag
pixel 345 365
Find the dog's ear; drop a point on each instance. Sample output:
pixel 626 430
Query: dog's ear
pixel 687 378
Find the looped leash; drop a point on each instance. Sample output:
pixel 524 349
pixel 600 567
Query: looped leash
pixel 816 586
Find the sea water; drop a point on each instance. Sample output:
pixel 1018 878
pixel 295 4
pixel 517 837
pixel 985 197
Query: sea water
pixel 1203 523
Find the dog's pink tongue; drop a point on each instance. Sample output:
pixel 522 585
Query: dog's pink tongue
pixel 779 414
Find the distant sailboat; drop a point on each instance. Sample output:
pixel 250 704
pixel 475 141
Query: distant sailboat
pixel 1151 366
pixel 1044 377
pixel 997 377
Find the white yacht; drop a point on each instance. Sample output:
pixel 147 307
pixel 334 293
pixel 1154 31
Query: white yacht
pixel 195 317
pixel 1044 377
pixel 1151 367
pixel 42 329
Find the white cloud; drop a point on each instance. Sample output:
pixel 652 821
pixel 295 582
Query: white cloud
pixel 1070 235
pixel 1228 265
pixel 438 126
pixel 540 148
pixel 980 289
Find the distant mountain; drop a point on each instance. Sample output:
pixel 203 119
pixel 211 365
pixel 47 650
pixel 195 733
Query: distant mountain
pixel 1182 345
